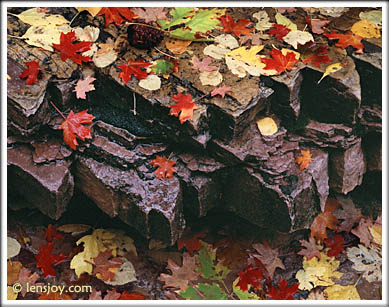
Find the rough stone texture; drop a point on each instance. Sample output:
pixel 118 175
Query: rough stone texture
pixel 336 99
pixel 370 119
pixel 346 168
pixel 153 207
pixel 372 148
pixel 48 186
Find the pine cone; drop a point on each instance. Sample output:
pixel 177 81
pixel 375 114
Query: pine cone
pixel 144 37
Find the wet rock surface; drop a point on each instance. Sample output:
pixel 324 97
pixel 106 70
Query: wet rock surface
pixel 222 160
pixel 49 187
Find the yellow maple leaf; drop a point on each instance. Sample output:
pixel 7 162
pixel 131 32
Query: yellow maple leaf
pixel 247 55
pixel 366 29
pixel 267 126
pixel 92 10
pixel 339 292
pixel 331 69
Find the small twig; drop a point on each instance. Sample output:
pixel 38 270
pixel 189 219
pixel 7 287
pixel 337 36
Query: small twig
pixel 134 111
pixel 13 36
pixel 164 53
pixel 55 107
pixel 206 94
pixel 197 290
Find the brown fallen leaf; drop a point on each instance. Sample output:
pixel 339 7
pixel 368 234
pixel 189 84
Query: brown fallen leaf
pixel 320 224
pixel 177 46
pixel 311 249
pixel 13 269
pixel 269 257
pixel 362 231
pixel 180 275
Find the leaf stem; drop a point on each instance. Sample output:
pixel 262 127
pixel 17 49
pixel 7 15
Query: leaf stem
pixel 74 17
pixel 206 94
pixel 197 290
pixel 55 107
pixel 164 53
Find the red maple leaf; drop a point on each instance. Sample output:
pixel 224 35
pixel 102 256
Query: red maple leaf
pixel 283 292
pixel 345 40
pixel 46 259
pixel 237 28
pixel 31 72
pixel 73 127
pixel 114 14
pixel 165 167
pixel 335 245
pixel 249 276
pixel 314 54
pixel 221 91
pixel 184 107
pixel 279 31
pixel 280 62
pixel 133 68
pixel 131 296
pixel 192 244
pixel 52 233
pixel 69 50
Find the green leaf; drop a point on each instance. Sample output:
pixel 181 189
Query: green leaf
pixel 162 67
pixel 282 20
pixel 180 15
pixel 187 35
pixel 190 293
pixel 209 292
pixel 206 20
pixel 212 292
pixel 243 295
pixel 207 268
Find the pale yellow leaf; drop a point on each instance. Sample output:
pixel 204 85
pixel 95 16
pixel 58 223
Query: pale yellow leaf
pixel 213 78
pixel 36 17
pixel 151 83
pixel 11 295
pixel 215 52
pixel 333 11
pixel 282 20
pixel 267 126
pixel 226 41
pixel 44 36
pixel 92 10
pixel 297 37
pixel 374 16
pixel 263 23
pixel 125 274
pixel 331 69
pixel 13 247
pixel 366 29
pixel 105 55
pixel 87 34
pixel 339 292
pixel 376 232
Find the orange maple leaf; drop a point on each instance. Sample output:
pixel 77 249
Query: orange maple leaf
pixel 237 28
pixel 72 127
pixel 184 107
pixel 345 40
pixel 165 167
pixel 321 222
pixel 304 160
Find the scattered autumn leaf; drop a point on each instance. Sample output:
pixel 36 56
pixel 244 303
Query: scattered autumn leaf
pixel 213 78
pixel 366 260
pixel 231 253
pixel 283 291
pixel 320 224
pixel 106 266
pixel 71 51
pixel 72 127
pixel 345 40
pixel 297 37
pixel 263 23
pixel 192 244
pixel 91 10
pixel 11 294
pixel 26 277
pixel 249 276
pixel 362 231
pixel 221 90
pixel 84 86
pixel 313 54
pixel 203 65
pixel 279 31
pixel 184 107
pixel 267 126
pixel 177 46
pixel 51 233
pixel 366 29
pixel 133 68
pixel 131 296
pixel 311 249
pixel 13 247
pixel 116 14
pixel 181 275
pixel 150 83
pixel 285 9
pixel 237 28
pixel 304 160
pixel 317 24
pixel 46 259
pixel 165 167
pixel 31 72
pixel 13 269
pixel 150 14
pixel 269 257
pixel 374 16
pixel 331 69
pixel 348 213
pixel 339 292
pixel 282 20
pixel 334 245
pixel 281 61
